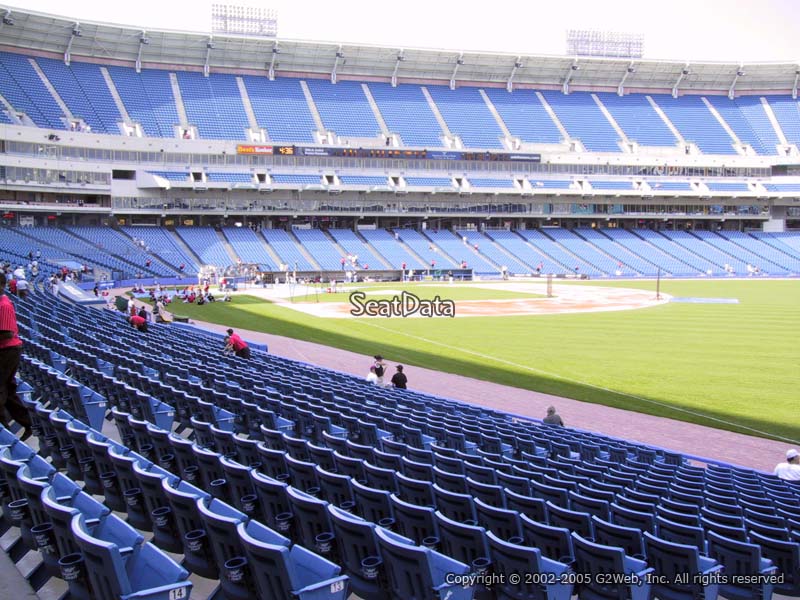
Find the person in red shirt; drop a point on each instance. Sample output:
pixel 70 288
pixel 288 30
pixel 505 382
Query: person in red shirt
pixel 11 407
pixel 138 322
pixel 239 346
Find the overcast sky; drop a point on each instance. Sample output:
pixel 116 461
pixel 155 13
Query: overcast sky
pixel 726 30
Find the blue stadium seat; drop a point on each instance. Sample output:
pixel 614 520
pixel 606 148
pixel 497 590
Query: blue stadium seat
pixel 508 558
pixel 416 523
pixel 419 572
pixel 627 538
pixel 597 561
pixel 357 549
pixel 279 572
pixel 554 542
pixel 741 558
pixel 223 525
pixel 785 555
pixel 671 560
pixel 121 566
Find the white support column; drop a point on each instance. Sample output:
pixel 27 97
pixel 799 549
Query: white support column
pixel 629 71
pixel 732 89
pixel 143 41
pixel 275 52
pixel 568 77
pixel 510 82
pixel 339 56
pixel 209 48
pixel 400 58
pixel 459 62
pixel 76 32
pixel 684 72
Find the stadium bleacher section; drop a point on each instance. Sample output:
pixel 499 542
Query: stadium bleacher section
pixel 748 119
pixel 148 99
pixel 206 244
pixel 280 107
pixel 82 88
pixel 249 247
pixel 389 248
pixel 467 116
pixel 582 118
pixel 126 253
pixel 214 105
pixel 638 119
pixel 344 108
pixel 354 246
pixel 169 249
pixel 22 87
pixel 321 247
pixel 287 250
pixel 524 116
pixel 406 112
pixel 692 118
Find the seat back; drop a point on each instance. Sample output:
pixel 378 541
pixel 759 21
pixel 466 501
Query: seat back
pixel 310 518
pixel 503 523
pixel 627 538
pixel 535 508
pixel 371 503
pixel 465 543
pixel 598 563
pixel 671 560
pixel 508 559
pixel 410 570
pixel 272 501
pixel 554 542
pixel 580 522
pixel 458 507
pixel 415 522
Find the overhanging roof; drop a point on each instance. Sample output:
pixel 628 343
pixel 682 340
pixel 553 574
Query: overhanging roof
pixel 39 32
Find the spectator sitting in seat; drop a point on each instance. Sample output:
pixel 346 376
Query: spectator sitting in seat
pixel 789 470
pixel 553 417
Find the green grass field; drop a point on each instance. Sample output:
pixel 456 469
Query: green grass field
pixel 731 366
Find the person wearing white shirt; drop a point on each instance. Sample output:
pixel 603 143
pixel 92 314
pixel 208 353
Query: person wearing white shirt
pixel 789 470
pixel 372 377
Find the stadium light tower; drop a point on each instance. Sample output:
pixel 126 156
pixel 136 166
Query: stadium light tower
pixel 244 20
pixel 608 44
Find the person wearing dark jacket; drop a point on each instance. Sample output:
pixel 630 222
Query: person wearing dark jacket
pixel 553 417
pixel 399 379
